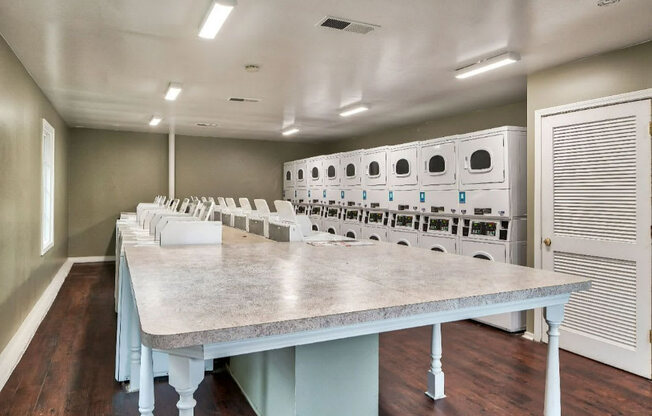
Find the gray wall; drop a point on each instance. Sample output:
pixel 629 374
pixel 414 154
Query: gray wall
pixel 24 273
pixel 510 114
pixel 110 172
pixel 235 168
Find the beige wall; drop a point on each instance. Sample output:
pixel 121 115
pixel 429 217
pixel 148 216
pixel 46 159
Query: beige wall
pixel 598 76
pixel 24 273
pixel 110 172
pixel 510 114
pixel 235 168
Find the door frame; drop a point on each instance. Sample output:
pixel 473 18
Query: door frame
pixel 540 326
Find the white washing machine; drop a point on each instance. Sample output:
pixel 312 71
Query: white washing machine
pixel 370 232
pixel 300 173
pixel 351 167
pixel 331 221
pixel 404 228
pixel 496 240
pixel 439 233
pixel 352 222
pixel 333 196
pixel 493 172
pixel 288 175
pixel 332 171
pixel 300 196
pixel 315 216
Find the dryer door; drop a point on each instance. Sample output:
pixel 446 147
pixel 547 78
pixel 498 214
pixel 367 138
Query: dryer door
pixel 332 172
pixel 482 160
pixel 438 164
pixel 375 168
pixel 315 174
pixel 351 168
pixel 300 174
pixel 403 169
pixel 288 175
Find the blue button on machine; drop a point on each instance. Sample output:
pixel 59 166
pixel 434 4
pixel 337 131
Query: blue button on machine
pixel 462 197
pixel 364 195
pixel 342 194
pixel 391 195
pixel 422 196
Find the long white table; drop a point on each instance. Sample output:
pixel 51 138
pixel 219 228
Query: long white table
pixel 316 311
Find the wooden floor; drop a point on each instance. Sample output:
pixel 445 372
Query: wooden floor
pixel 68 370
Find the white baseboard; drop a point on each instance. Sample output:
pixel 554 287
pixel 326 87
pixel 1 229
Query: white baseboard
pixel 13 352
pixel 91 259
pixel 528 335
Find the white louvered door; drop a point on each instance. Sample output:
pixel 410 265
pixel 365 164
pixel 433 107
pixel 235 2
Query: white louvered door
pixel 596 212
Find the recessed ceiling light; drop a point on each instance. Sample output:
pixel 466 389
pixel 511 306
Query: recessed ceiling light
pixel 215 18
pixel 155 120
pixel 206 124
pixel 354 110
pixel 487 65
pixel 174 89
pixel 290 131
pixel 602 3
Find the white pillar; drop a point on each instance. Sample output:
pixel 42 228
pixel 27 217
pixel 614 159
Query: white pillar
pixel 134 346
pixel 185 374
pixel 435 374
pixel 552 404
pixel 171 165
pixel 146 393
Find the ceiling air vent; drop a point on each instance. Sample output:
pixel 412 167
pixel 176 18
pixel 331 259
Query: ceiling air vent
pixel 346 25
pixel 244 100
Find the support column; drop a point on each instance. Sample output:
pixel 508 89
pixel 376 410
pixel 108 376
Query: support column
pixel 134 347
pixel 171 162
pixel 146 394
pixel 185 375
pixel 435 374
pixel 552 404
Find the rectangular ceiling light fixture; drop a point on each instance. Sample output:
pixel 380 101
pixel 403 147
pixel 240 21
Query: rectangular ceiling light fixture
pixel 354 110
pixel 290 131
pixel 215 18
pixel 487 65
pixel 155 121
pixel 174 89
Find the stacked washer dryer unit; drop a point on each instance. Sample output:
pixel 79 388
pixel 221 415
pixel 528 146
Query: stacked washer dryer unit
pixel 351 188
pixel 288 181
pixel 403 195
pixel 375 203
pixel 492 202
pixel 438 196
pixel 332 194
pixel 316 193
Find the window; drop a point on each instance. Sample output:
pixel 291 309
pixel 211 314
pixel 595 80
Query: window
pixel 331 171
pixel 47 187
pixel 437 164
pixel 374 169
pixel 300 174
pixel 480 160
pixel 315 173
pixel 402 167
pixel 288 176
pixel 350 170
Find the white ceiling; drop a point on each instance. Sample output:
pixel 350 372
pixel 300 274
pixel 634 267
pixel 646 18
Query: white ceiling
pixel 107 63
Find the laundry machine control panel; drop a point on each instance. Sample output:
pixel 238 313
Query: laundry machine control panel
pixel 440 225
pixel 302 209
pixel 332 212
pixel 352 215
pixel 316 210
pixel 379 218
pixel 405 221
pixel 490 230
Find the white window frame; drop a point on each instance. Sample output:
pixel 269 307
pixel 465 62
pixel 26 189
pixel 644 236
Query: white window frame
pixel 47 187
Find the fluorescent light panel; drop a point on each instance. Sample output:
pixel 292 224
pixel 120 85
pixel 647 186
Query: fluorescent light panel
pixel 174 89
pixel 290 132
pixel 354 110
pixel 155 121
pixel 215 18
pixel 487 65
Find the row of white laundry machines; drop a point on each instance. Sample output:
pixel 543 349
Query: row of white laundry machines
pixel 463 194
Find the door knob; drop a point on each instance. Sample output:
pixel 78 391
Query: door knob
pixel 547 242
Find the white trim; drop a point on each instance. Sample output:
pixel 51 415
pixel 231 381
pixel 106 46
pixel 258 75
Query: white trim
pixel 13 352
pixel 539 323
pixel 46 128
pixel 91 259
pixel 528 335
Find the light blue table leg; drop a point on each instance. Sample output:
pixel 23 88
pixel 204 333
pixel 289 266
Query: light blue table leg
pixel 146 393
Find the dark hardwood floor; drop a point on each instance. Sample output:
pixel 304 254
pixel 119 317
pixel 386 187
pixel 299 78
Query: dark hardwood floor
pixel 68 369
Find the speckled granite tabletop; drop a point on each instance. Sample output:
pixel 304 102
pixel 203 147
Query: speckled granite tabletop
pixel 203 294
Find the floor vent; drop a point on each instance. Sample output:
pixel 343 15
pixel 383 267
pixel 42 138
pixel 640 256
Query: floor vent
pixel 244 100
pixel 346 25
